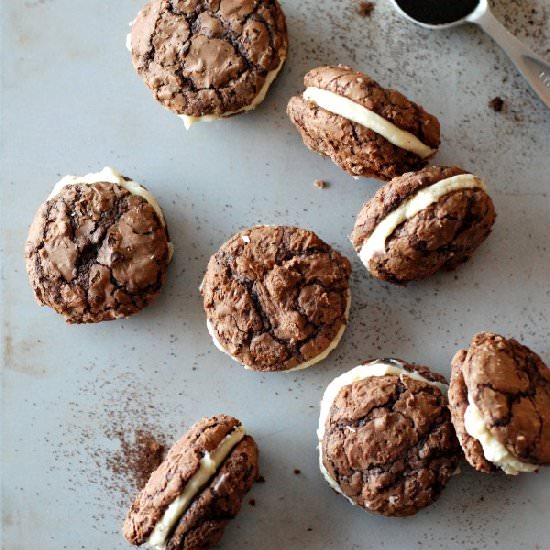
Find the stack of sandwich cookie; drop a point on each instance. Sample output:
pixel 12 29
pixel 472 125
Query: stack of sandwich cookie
pixel 365 129
pixel 98 248
pixel 276 298
pixel 207 59
pixel 423 222
pixel 198 488
pixel 386 441
pixel 500 404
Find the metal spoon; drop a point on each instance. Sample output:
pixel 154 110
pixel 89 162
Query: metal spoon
pixel 534 68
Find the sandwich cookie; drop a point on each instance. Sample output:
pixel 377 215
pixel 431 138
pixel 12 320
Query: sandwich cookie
pixel 365 129
pixel 276 298
pixel 423 222
pixel 500 403
pixel 98 248
pixel 208 59
pixel 197 489
pixel 386 441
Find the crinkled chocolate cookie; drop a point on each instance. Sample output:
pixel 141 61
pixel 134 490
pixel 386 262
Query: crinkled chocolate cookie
pixel 500 404
pixel 365 129
pixel 276 298
pixel 207 59
pixel 423 222
pixel 386 441
pixel 98 248
pixel 198 488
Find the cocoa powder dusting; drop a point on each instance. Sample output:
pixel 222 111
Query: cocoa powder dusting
pixel 137 458
pixel 132 438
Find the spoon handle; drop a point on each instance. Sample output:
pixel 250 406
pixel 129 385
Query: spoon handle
pixel 534 68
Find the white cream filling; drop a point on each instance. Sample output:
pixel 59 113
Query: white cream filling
pixel 351 110
pixel 110 175
pixel 188 121
pixel 376 243
pixel 129 35
pixel 374 368
pixel 209 465
pixel 323 355
pixel 493 450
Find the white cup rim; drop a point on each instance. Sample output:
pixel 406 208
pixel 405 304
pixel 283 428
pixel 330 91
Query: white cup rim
pixel 472 17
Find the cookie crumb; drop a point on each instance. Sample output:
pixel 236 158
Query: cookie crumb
pixel 366 9
pixel 320 184
pixel 297 472
pixel 261 479
pixel 497 103
pixel 252 502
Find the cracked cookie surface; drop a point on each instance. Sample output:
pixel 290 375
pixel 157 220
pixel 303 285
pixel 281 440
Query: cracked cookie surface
pixel 96 252
pixel 510 385
pixel 208 57
pixel 389 443
pixel 276 297
pixel 439 237
pixel 355 148
pixel 202 523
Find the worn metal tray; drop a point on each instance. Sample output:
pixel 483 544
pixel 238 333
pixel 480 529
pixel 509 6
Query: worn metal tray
pixel 71 103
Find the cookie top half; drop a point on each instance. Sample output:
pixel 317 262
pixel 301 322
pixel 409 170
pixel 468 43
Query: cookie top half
pixel 197 489
pixel 500 401
pixel 276 298
pixel 422 222
pixel 386 441
pixel 209 57
pixel 366 129
pixel 98 248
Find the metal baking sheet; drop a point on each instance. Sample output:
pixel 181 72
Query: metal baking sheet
pixel 71 103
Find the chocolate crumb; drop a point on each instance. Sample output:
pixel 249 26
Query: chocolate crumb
pixel 297 472
pixel 309 529
pixel 261 479
pixel 252 502
pixel 366 9
pixel 137 457
pixel 320 184
pixel 497 103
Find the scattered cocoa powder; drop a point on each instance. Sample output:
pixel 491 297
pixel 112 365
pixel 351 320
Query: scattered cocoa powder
pixel 497 103
pixel 366 9
pixel 137 457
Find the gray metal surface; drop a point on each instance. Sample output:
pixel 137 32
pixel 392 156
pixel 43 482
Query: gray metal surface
pixel 71 103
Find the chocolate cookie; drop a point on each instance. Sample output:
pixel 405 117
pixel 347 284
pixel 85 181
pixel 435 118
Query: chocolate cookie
pixel 423 222
pixel 190 498
pixel 365 129
pixel 207 59
pixel 500 405
pixel 98 248
pixel 386 441
pixel 276 298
